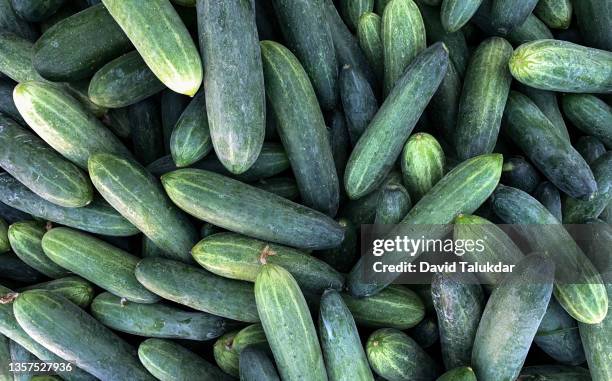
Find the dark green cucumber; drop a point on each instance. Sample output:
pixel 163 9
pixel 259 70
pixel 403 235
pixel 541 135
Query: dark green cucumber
pixel 21 355
pixel 68 9
pixel 484 94
pixel 172 106
pixel 548 150
pixel 358 101
pixel 79 91
pixel 97 217
pixel 288 325
pixel 16 58
pixel 382 142
pixel 368 34
pixel 235 99
pixel 344 356
pixel 255 365
pixel 464 373
pixel 76 47
pixel 426 332
pixel 7 105
pixel 597 343
pixel 340 141
pixel 352 10
pixel 395 356
pixel 562 66
pixel 252 335
pixel 123 81
pixel 97 261
pixel 547 103
pixel 27 158
pixel 555 373
pixel 422 164
pixel 11 22
pixel 393 204
pixel 590 148
pixel 343 257
pixel 190 140
pixel 363 210
pixel 136 194
pixel 454 14
pixel 530 30
pixel 508 14
pixel 548 195
pixel 238 257
pixel 168 361
pixel 244 209
pixel 519 173
pixel 198 289
pixel 594 22
pixel 267 24
pixel 301 124
pixel 117 120
pixel 578 286
pixel 5 244
pixel 285 187
pixel 590 115
pixel 443 108
pixel 77 290
pixel 225 356
pixel 13 268
pixel 146 131
pixel 36 11
pixel 557 14
pixel 403 38
pixel 5 359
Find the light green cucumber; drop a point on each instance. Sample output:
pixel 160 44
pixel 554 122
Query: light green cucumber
pixel 370 41
pixel 422 164
pixel 225 356
pixel 16 58
pixel 190 140
pixel 77 290
pixel 252 335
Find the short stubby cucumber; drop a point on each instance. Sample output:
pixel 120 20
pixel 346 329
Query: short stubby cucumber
pixel 454 14
pixel 590 115
pixel 422 164
pixel 557 14
pixel 190 140
pixel 76 289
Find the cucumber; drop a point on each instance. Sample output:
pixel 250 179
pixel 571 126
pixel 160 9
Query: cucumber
pixel 579 287
pixel 36 11
pixel 255 365
pixel 63 123
pixel 381 143
pixel 168 361
pixel 267 24
pixel 594 22
pixel 76 47
pixel 344 356
pixel 464 373
pixel 161 38
pixel 237 257
pixel 508 14
pixel 235 98
pixel 590 148
pixel 20 355
pixel 190 140
pixel 11 22
pixel 554 373
pixel 97 261
pixel 518 303
pixel 198 289
pixel 16 58
pixel 396 307
pixel 97 217
pixel 65 11
pixel 225 356
pixel 370 41
pixel 393 204
pixel 590 115
pixel 556 14
pixel 12 215
pixel 77 290
pixel 403 39
pixel 343 257
pixel 597 343
pixel 78 90
pixel 61 326
pixel 396 357
pixel 13 268
pixel 146 131
pixel 247 210
pixel 172 106
pixel 443 108
pixel 7 105
pixel 548 195
pixel 304 28
pixel 551 153
pixel 422 164
pixel 358 101
pixel 133 191
pixel 484 94
pixel 340 141
pixel 285 187
pixel 426 332
pixel 530 30
pixel 363 210
pixel 25 238
pixel 519 173
pixel 352 10
pixel 454 14
pixel 291 334
pixel 547 103
pixel 123 81
pixel 5 360
pixel 118 121
pixel 301 124
pixel 5 244
pixel 252 335
pixel 562 66
pixel 42 170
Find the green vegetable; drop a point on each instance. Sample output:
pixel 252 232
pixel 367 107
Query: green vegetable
pixel 370 41
pixel 7 105
pixel 508 14
pixel 590 148
pixel 5 244
pixel 21 355
pixel 393 204
pixel 578 211
pixel 557 14
pixel 519 173
pixel 464 373
pixel 146 131
pixel 11 22
pixel 358 102
pixel 16 58
pixel 35 11
pixel 190 140
pixel 590 115
pixel 225 356
pixel 548 195
pixel 594 22
pixel 285 187
pixel 5 359
pixel 455 13
pixel 530 30
pixel 554 373
pixel 422 163
pixel 77 290
pixel 13 268
pixel 255 365
pixel 252 335
pixel 558 336
pixel 547 103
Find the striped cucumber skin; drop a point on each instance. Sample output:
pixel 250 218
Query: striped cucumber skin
pixel 36 11
pixel 25 238
pixel 303 26
pixel 403 38
pixel 594 22
pixel 395 356
pixel 155 320
pixel 21 355
pixel 344 356
pixel 301 124
pixel 255 365
pixel 66 329
pixel 252 335
pixel 190 140
pixel 238 257
pixel 550 152
pixel 518 303
pixel 167 48
pixel 76 47
pixel 382 142
pixel 27 158
pixel 557 14
pixel 597 343
pixel 285 187
pixel 352 10
pixel 519 173
pixel 198 289
pixel 79 91
pixel 584 297
pixel 97 217
pixel 136 194
pixel 590 148
pixel 562 66
pixel 358 102
pixel 7 105
pixel 63 123
pixel 247 210
pixel 11 22
pixel 530 30
pixel 464 373
pixel 590 115
pixel 548 104
pixel 422 164
pixel 484 94
pixel 363 210
pixel 146 130
pixel 235 98
pixel 555 373
pixel 454 14
pixel 291 334
pixel 370 41
pixel 548 195
pixel 168 361
pixel 393 204
pixel 97 261
pixel 458 304
pixel 508 14
pixel 16 58
pixel 172 106
pixel 396 307
pixel 123 81
pixel 5 360
pixel 77 290
pixel 225 356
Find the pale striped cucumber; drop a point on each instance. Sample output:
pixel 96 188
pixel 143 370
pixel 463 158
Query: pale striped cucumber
pixel 597 343
pixel 590 115
pixel 352 10
pixel 393 204
pixel 190 140
pixel 146 130
pixel 77 290
pixel 358 102
pixel 508 14
pixel 370 41
pixel 16 58
pixel 422 164
pixel 255 365
pixel 225 356
pixel 252 335
pixel 454 14
pixel 162 40
pixel 557 14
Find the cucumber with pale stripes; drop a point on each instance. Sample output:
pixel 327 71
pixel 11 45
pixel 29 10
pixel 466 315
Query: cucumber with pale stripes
pixel 454 14
pixel 548 104
pixel 190 140
pixel 352 10
pixel 358 101
pixel 16 58
pixel 557 14
pixel 590 115
pixel 508 14
pixel 225 356
pixel 422 164
pixel 370 41
pixel 77 290
pixel 463 373
pixel 252 335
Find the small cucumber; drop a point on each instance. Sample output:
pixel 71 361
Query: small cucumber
pixel 255 365
pixel 557 14
pixel 146 131
pixel 370 41
pixel 464 373
pixel 77 290
pixel 590 115
pixel 36 11
pixel 190 140
pixel 530 30
pixel 225 356
pixel 590 148
pixel 352 10
pixel 518 173
pixel 508 14
pixel 422 164
pixel 455 13
pixel 555 373
pixel 16 58
pixel 393 204
pixel 252 335
pixel 358 102
pixel 594 22
pixel 548 195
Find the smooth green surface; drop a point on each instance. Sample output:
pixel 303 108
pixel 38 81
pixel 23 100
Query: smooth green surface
pixel 77 290
pixel 190 140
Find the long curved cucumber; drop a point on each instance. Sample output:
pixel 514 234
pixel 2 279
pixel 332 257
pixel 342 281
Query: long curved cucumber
pixel 77 290
pixel 454 14
pixel 548 104
pixel 11 22
pixel 558 336
pixel 393 204
pixel 16 58
pixel 190 140
pixel 557 14
pixel 508 14
pixel 590 115
pixel 146 130
pixel 422 164
pixel 255 365
pixel 594 22
pixel 358 101
pixel 368 34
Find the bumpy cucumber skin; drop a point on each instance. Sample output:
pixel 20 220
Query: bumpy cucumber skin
pixel 594 22
pixel 557 14
pixel 16 58
pixel 393 204
pixel 35 11
pixel 190 140
pixel 508 14
pixel 370 41
pixel 11 22
pixel 590 115
pixel 77 290
pixel 146 131
pixel 555 373
pixel 590 148
pixel 519 173
pixel 422 163
pixel 548 104
pixel 455 13
pixel 530 30
pixel 548 195
pixel 358 101
pixel 255 365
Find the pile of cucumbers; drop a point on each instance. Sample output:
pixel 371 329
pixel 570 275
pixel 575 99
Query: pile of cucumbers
pixel 183 185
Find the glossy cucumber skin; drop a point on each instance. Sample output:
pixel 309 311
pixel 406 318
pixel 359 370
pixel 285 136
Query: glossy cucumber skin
pixel 382 142
pixel 530 30
pixel 422 164
pixel 16 58
pixel 255 365
pixel 198 289
pixel 358 101
pixel 301 124
pixel 519 173
pixel 484 94
pixel 393 204
pixel 508 14
pixel 556 14
pixel 590 115
pixel 35 11
pixel 370 41
pixel 548 195
pixel 77 290
pixel 548 104
pixel 97 261
pixel 191 140
pixel 167 48
pixel 455 14
pixel 235 98
pixel 137 195
pixel 146 131
pixel 77 46
pixel 555 372
pixel 247 210
pixel 11 22
pixel 594 22
pixel 590 148
pixel 123 81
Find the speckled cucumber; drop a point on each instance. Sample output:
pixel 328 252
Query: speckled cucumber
pixel 146 130
pixel 530 30
pixel 579 211
pixel 590 115
pixel 352 10
pixel 16 58
pixel 11 22
pixel 393 204
pixel 557 14
pixel 422 164
pixel 370 41
pixel 358 101
pixel 594 22
pixel 190 140
pixel 555 373
pixel 77 290
pixel 454 14
pixel 519 173
pixel 252 335
pixel 256 365
pixel 21 355
pixel 548 104
pixel 597 343
pixel 508 14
